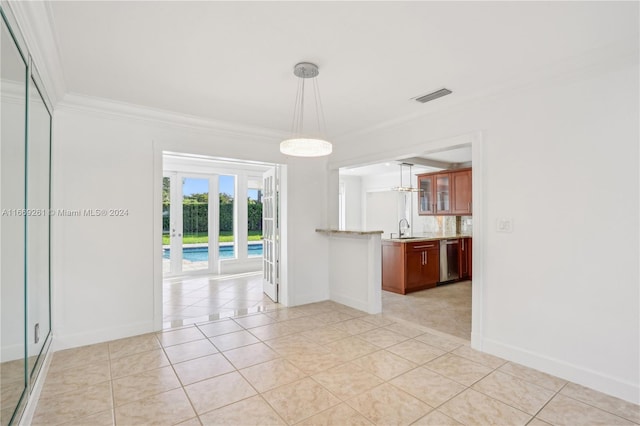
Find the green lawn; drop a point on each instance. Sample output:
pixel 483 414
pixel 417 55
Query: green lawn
pixel 225 237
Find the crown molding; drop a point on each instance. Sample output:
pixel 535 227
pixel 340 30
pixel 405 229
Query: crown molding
pixel 122 110
pixel 35 22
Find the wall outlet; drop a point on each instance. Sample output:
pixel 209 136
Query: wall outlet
pixel 504 224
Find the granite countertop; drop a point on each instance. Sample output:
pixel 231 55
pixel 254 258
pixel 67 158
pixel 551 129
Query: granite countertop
pixel 347 232
pixel 427 237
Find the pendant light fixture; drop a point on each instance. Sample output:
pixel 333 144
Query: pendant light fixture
pixel 403 188
pixel 300 144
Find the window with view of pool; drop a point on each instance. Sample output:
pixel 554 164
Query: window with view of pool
pixel 201 254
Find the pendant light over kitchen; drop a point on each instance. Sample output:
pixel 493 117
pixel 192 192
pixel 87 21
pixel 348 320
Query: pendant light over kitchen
pixel 301 145
pixel 403 188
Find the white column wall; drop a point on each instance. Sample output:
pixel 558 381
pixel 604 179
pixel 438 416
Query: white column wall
pixel 560 293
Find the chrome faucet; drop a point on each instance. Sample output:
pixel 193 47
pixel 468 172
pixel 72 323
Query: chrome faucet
pixel 400 228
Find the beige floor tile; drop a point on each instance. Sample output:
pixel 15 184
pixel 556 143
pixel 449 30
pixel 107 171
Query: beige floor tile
pixel 325 334
pixel 459 369
pixel 479 357
pixel 299 400
pixel 404 330
pixel 388 405
pixel 224 342
pixel 191 350
pixel 351 348
pixel 436 418
pixel 104 418
pixel 533 376
pixel 378 319
pixel 384 364
pixel 354 326
pixel 254 320
pixel 219 391
pixel 332 317
pixel 312 362
pixel 299 325
pixel 519 394
pixel 138 363
pixel 250 355
pixel 248 412
pixel 202 368
pixel 415 351
pixel 69 380
pixel 286 314
pixel 139 386
pixel 562 410
pixel 219 327
pixel 608 403
pixel 76 357
pixel 347 381
pixel 191 422
pixel 74 405
pixel 441 342
pixel 382 338
pixel 271 374
pixel 292 344
pixel 342 415
pixel 474 408
pixel 168 408
pixel 537 422
pixel 272 331
pixel 428 386
pixel 133 345
pixel 184 335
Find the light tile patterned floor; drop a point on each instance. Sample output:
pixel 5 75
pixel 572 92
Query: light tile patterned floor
pixel 317 364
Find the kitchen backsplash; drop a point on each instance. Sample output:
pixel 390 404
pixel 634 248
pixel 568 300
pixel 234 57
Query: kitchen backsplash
pixel 443 224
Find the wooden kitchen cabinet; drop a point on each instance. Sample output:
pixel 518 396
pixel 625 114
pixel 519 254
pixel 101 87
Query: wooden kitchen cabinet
pixel 461 192
pixel 445 193
pixel 464 248
pixel 410 266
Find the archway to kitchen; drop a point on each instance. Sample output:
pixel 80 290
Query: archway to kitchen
pixel 213 239
pixel 376 193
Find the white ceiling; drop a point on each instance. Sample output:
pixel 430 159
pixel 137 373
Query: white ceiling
pixel 232 61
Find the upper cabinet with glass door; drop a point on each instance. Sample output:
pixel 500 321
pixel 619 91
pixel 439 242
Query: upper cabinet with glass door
pixel 445 193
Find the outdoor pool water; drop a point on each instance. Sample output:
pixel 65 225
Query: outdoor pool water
pixel 201 254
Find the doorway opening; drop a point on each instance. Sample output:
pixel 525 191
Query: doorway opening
pixel 368 201
pixel 220 238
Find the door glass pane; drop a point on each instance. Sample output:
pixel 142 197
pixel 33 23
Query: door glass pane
pixel 166 224
pixel 254 225
pixel 425 194
pixel 38 153
pixel 227 216
pixel 442 196
pixel 13 72
pixel 195 224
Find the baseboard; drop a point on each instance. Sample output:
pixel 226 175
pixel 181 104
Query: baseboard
pixel 63 341
pixel 583 376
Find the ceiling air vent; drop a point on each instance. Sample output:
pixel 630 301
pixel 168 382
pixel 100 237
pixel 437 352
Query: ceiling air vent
pixel 435 95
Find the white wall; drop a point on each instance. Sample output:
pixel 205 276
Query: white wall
pixel 353 201
pixel 104 267
pixel 560 293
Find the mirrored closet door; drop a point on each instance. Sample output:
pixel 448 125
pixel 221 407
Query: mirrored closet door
pixel 25 176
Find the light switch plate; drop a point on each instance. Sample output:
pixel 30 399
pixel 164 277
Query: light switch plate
pixel 504 224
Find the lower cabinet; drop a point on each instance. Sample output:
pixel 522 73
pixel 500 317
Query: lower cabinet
pixel 408 267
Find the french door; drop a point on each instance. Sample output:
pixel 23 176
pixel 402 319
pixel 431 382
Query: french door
pixel 189 223
pixel 271 233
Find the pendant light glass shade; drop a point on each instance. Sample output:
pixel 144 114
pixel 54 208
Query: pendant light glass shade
pixel 301 144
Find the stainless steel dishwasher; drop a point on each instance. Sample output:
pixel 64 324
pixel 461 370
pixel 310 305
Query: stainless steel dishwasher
pixel 449 260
